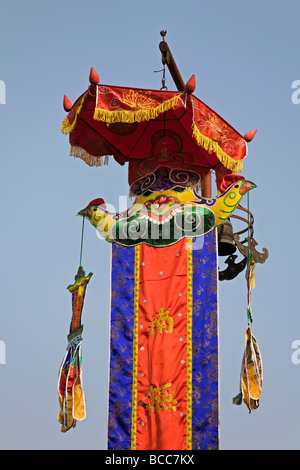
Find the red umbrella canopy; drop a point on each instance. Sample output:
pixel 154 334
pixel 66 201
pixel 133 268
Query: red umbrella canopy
pixel 152 129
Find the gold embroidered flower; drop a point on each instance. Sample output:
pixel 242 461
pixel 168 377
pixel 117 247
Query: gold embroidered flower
pixel 139 100
pixel 216 125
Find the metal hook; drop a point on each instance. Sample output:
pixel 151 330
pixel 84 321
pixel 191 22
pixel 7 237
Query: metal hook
pixel 163 80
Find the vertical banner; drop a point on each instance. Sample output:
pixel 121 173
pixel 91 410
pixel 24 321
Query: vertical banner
pixel 121 351
pixel 205 427
pixel 164 347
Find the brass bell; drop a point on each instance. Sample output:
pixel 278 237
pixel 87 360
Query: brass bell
pixel 226 245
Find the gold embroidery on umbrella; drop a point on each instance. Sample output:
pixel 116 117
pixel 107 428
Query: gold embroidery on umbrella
pixel 216 124
pixel 160 398
pixel 138 100
pixel 162 322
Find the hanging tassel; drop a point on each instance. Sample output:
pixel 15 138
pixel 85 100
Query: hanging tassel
pixel 71 397
pixel 251 374
pixel 70 391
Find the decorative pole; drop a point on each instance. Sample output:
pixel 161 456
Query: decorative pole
pixel 164 366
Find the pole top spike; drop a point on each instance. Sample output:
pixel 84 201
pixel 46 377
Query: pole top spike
pixel 67 104
pixel 250 135
pixel 191 85
pixel 94 77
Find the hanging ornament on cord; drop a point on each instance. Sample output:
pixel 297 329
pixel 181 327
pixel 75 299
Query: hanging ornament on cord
pixel 251 376
pixel 70 391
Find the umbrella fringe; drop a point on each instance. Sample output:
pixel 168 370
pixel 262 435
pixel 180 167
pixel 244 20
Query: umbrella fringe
pixel 135 115
pixel 67 127
pixel 89 159
pixel 213 146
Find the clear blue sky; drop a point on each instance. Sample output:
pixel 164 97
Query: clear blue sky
pixel 245 56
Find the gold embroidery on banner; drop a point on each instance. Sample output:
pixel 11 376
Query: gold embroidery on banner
pixel 162 322
pixel 135 347
pixel 138 100
pixel 160 398
pixel 189 344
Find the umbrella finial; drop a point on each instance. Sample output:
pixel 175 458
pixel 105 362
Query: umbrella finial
pixel 94 77
pixel 250 135
pixel 67 104
pixel 191 85
pixel 163 33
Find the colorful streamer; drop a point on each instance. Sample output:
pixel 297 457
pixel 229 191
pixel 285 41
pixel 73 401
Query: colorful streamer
pixel 71 397
pixel 251 376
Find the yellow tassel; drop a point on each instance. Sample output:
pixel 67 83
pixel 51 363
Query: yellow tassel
pixel 213 146
pixel 66 127
pixel 135 115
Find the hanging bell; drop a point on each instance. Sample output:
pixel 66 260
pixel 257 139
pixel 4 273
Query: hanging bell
pixel 226 245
